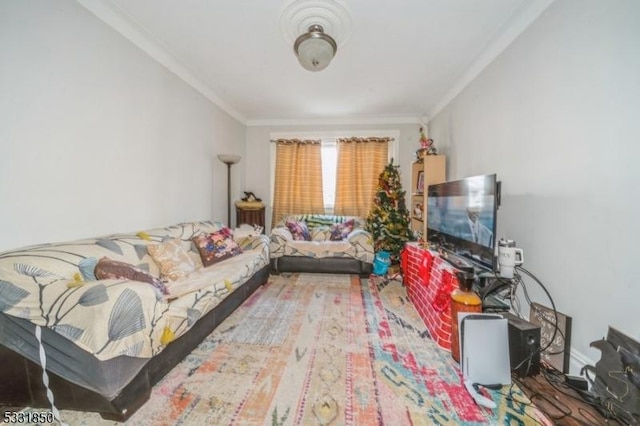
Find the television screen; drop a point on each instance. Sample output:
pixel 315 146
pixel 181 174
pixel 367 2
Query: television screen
pixel 461 217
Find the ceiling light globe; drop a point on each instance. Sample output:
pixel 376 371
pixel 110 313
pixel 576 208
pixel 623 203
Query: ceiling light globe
pixel 315 49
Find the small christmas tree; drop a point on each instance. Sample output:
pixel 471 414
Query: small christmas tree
pixel 388 220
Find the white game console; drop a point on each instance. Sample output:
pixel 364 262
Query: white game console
pixel 484 353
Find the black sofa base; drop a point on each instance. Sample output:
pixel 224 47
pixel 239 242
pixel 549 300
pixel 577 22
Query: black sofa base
pixel 329 265
pixel 21 379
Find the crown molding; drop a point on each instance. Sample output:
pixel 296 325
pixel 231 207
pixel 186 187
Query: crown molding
pixel 334 134
pixel 117 19
pixel 336 121
pixel 520 20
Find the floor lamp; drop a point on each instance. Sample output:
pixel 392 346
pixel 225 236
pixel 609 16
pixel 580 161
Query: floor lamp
pixel 229 159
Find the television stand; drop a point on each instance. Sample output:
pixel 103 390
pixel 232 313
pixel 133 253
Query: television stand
pixel 486 284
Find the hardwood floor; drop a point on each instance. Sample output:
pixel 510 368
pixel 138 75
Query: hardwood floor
pixel 562 405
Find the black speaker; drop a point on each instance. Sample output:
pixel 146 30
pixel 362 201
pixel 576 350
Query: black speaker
pixel 524 346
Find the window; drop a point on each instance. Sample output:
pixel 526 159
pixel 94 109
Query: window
pixel 329 166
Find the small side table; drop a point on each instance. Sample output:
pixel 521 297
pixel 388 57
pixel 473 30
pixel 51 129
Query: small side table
pixel 250 212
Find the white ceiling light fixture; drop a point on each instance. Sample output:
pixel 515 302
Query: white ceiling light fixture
pixel 316 28
pixel 315 49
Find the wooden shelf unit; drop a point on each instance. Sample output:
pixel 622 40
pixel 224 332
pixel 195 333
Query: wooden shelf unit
pixel 434 170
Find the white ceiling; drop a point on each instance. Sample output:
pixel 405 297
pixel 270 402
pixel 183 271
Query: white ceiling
pixel 404 59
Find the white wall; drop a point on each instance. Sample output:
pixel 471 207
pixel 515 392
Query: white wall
pixel 95 136
pixel 257 174
pixel 556 117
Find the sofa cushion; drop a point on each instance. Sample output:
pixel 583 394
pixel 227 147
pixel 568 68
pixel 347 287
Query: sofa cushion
pixel 299 229
pixel 320 249
pixel 340 231
pixel 172 259
pixel 220 280
pixel 108 269
pixel 216 246
pixel 320 233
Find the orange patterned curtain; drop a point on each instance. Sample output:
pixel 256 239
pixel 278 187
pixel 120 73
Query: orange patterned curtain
pixel 298 178
pixel 360 162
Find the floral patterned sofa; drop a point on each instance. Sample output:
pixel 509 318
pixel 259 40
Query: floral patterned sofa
pixel 321 243
pixel 114 314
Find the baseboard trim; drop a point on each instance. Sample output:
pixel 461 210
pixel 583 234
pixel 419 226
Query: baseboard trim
pixel 577 361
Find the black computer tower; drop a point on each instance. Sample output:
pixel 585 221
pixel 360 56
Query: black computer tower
pixel 524 346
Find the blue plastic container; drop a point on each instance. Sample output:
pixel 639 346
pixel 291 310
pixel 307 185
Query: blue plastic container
pixel 381 263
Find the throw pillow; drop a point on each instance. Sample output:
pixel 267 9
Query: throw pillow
pixel 172 259
pixel 299 230
pixel 216 246
pixel 112 269
pixel 340 231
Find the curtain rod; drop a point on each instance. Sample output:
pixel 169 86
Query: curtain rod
pixel 340 138
pixel 292 141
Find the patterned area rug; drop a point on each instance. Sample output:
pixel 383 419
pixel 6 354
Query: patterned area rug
pixel 320 349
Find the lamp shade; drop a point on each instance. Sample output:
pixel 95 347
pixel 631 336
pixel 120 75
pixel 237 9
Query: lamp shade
pixel 315 49
pixel 229 158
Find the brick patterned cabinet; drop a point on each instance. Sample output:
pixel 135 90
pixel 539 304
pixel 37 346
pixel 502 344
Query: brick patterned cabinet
pixel 429 281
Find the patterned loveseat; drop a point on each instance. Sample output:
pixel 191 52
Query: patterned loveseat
pixel 107 339
pixel 321 243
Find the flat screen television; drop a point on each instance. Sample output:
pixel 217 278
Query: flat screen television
pixel 461 218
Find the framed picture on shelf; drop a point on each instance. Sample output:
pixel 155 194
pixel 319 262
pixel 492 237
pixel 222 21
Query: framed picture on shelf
pixel 417 211
pixel 420 184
